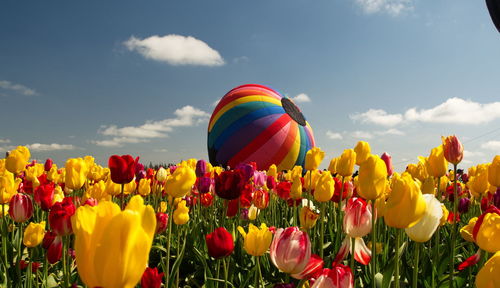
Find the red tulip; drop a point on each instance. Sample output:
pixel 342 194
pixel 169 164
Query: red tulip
pixel 48 165
pixel 34 265
pixel 53 244
pixel 232 207
pixel 161 222
pixel 151 278
pixel 60 217
pixel 219 243
pixel 283 189
pixel 122 168
pixel 44 196
pixel 229 184
pixel 453 149
pixel 207 199
pixel 20 208
pixel 338 187
pixel 290 250
pixel 313 268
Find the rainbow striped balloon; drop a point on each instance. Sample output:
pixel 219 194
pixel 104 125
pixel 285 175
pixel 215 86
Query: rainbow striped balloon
pixel 254 123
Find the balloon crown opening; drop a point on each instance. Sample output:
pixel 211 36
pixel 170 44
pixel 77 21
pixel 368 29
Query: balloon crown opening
pixel 293 111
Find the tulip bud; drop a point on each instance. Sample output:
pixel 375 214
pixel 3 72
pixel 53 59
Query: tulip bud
pixel 463 205
pixel 54 248
pixel 219 243
pixel 296 189
pixel 181 214
pixel 161 222
pixel 290 250
pixel 313 158
pixel 436 163
pixel 48 165
pixel 161 174
pixel 388 163
pixel 122 168
pixel 372 178
pixel 16 160
pixel 345 165
pixel 20 208
pixel 144 187
pixel 33 235
pixel 406 205
pixel 453 149
pixel 362 150
pixel 151 278
pixel 325 187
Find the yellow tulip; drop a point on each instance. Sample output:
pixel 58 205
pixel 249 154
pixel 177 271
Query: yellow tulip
pixel 471 171
pixel 494 172
pixel 372 178
pixel 296 172
pixel 325 187
pixel 130 187
pixel 488 236
pixel 253 212
pixel 444 219
pixel 161 174
pixel 181 214
pixel 52 174
pixel 311 182
pixel 163 207
pixel 17 159
pixel 76 173
pixel 33 235
pixel 112 246
pixel 362 150
pixel 307 217
pixel 112 188
pixel 2 165
pixel 332 167
pixel 181 182
pixel 406 205
pixel 313 158
pixel 466 231
pixel 487 277
pixel 58 195
pixel 256 241
pixel 8 186
pixel 428 186
pixel 478 184
pixel 144 186
pixel 345 165
pixel 296 189
pixel 98 192
pixel 437 166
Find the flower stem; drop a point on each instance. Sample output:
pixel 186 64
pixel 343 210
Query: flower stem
pixel 225 271
pixel 30 265
pixel 353 248
pixel 169 237
pixel 258 274
pixel 374 244
pixel 121 196
pixel 415 267
pixel 322 229
pixel 396 260
pixel 453 228
pixel 436 242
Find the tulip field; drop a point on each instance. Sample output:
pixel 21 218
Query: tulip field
pixel 358 223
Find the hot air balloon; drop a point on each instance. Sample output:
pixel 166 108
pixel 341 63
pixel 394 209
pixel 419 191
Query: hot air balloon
pixel 254 123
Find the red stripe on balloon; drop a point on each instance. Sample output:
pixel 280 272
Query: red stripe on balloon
pixel 260 140
pixel 285 147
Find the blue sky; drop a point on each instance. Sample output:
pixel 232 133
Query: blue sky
pixel 126 77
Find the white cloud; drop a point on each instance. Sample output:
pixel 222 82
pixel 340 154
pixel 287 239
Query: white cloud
pixel 452 111
pixel 242 59
pixel 491 145
pixel 186 116
pixel 175 50
pixel 391 7
pixel 49 147
pixel 301 98
pixel 379 117
pixel 391 131
pixel 21 89
pixel 361 135
pixel 4 141
pixel 333 135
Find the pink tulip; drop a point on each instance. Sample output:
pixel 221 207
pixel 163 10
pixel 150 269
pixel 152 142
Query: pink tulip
pixel 340 276
pixel 21 208
pixel 388 163
pixel 290 250
pixel 453 149
pixel 313 268
pixel 358 218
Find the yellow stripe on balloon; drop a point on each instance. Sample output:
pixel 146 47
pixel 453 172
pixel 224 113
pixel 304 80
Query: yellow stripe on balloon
pixel 246 99
pixel 291 157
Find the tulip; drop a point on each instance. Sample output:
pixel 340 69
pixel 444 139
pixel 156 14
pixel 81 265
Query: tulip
pixel 272 171
pixel 261 199
pixel 60 217
pixel 122 168
pixel 161 174
pixel 325 187
pixel 201 168
pixel 76 173
pixel 181 214
pixel 33 235
pixel 346 190
pixel 485 231
pixel 229 184
pixel 345 164
pixel 478 184
pixel 446 213
pixel 428 186
pixel 151 278
pixel 48 164
pixel 290 250
pixel 8 186
pixel 406 204
pixel 20 208
pixel 257 240
pixel 313 158
pixel 357 247
pixel 180 182
pixel 463 205
pixel 296 189
pixel 283 189
pixel 112 246
pixel 437 166
pixel 17 159
pixel 488 275
pixel 494 172
pixel 425 228
pixel 144 187
pixel 340 276
pixel 362 150
pixel 54 247
pixel 161 222
pixel 259 179
pixel 467 231
pixel 312 270
pixel 453 149
pixel 388 163
pixel 358 218
pixel 372 178
pixel 307 217
pixel 253 212
pixel 44 196
pixel 219 243
pixel 112 188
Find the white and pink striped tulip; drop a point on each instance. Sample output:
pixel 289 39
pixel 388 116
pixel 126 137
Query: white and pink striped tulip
pixel 340 276
pixel 313 268
pixel 290 250
pixel 358 218
pixel 20 207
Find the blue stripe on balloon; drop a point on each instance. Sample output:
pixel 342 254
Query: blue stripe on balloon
pixel 303 147
pixel 237 124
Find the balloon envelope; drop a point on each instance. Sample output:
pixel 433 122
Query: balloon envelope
pixel 254 123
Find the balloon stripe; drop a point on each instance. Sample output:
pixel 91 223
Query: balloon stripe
pixel 292 155
pixel 285 147
pixel 256 98
pixel 242 138
pixel 237 118
pixel 261 139
pixel 246 90
pixel 303 147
